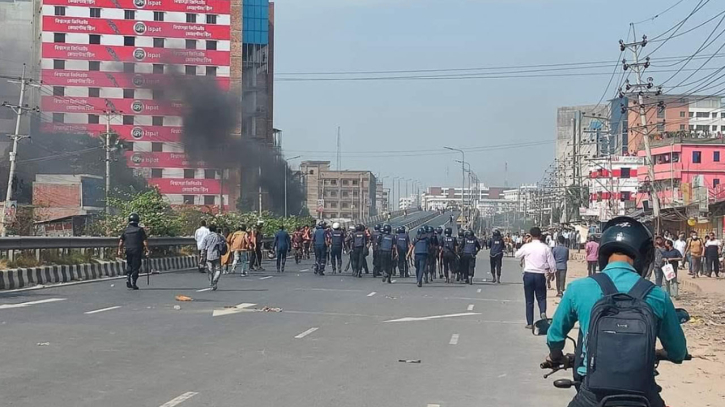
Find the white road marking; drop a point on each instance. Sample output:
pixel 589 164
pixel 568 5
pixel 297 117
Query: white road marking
pixel 454 340
pixel 233 310
pixel 394 281
pixel 434 405
pixel 470 307
pixel 204 289
pixel 304 270
pixel 180 399
pixel 327 289
pixel 264 278
pixel 305 333
pixel 478 291
pixel 371 294
pixel 410 319
pixel 27 304
pixel 102 310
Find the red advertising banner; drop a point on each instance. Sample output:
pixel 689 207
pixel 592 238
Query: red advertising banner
pixel 161 160
pixel 187 186
pixel 62 24
pixel 98 79
pixel 95 52
pixel 62 104
pixel 171 134
pixel 187 6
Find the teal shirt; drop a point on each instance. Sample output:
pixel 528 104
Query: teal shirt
pixel 581 295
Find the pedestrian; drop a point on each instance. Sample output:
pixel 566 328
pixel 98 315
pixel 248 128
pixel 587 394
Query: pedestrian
pixel 306 239
pixel 496 246
pixel 136 243
pixel 337 240
pixel 592 254
pixel 659 260
pixel 258 245
pixel 227 258
pixel 673 257
pixel 282 243
pixel 214 246
pixel 469 250
pixel 680 244
pixel 538 261
pixel 577 241
pixel 713 248
pixel 402 243
pixel 561 257
pixel 348 247
pixel 240 246
pixel 420 249
pixel 694 249
pixel 199 236
pixel 387 250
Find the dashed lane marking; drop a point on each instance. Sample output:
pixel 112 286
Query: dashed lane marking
pixel 102 310
pixel 264 278
pixel 204 289
pixel 233 310
pixel 304 270
pixel 328 289
pixel 305 333
pixel 394 281
pixel 180 399
pixel 371 294
pixel 470 307
pixel 411 319
pixel 27 304
pixel 434 405
pixel 454 340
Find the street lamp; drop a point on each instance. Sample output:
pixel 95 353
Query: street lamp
pixel 463 173
pixel 285 184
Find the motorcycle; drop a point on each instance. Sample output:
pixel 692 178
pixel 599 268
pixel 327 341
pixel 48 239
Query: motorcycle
pixel 541 328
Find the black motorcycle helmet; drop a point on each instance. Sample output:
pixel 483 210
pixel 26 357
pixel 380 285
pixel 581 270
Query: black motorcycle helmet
pixel 439 230
pixel 134 218
pixel 449 231
pixel 387 229
pixel 360 227
pixel 377 227
pixel 627 236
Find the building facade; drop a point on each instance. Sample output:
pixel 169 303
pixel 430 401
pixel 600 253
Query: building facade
pixel 338 194
pixel 613 186
pixel 581 134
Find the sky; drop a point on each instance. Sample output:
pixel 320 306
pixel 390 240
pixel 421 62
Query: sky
pixel 417 118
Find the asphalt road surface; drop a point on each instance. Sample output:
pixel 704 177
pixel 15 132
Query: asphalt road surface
pixel 337 342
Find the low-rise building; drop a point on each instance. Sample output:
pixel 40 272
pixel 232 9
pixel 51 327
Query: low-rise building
pixel 338 194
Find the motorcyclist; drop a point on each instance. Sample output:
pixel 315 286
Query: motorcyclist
pixel 625 252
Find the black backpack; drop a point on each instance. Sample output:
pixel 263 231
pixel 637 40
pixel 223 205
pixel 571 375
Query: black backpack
pixel 222 246
pixel 621 340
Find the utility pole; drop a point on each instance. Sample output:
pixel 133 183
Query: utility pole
pixel 13 154
pixel 641 88
pixel 339 154
pixel 107 136
pixel 463 175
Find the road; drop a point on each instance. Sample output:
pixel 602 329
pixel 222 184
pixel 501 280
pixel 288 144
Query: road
pixel 335 343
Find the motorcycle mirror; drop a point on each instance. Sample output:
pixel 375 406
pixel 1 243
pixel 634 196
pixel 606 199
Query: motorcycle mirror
pixel 541 327
pixel 682 315
pixel 563 383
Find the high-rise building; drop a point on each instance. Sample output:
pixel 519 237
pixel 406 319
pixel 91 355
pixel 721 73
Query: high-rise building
pixel 257 69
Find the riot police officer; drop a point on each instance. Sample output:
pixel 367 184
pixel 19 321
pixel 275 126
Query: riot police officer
pixel 432 251
pixel 320 242
pixel 497 247
pixel 469 249
pixel 461 236
pixel 402 243
pixel 420 247
pixel 387 249
pixel 136 242
pixel 358 242
pixel 449 249
pixel 374 238
pixel 438 240
pixel 337 239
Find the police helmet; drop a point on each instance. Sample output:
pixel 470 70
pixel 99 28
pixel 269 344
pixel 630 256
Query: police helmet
pixel 336 225
pixel 469 233
pixel 429 229
pixel 449 231
pixel 497 233
pixel 387 229
pixel 360 227
pixel 422 230
pixel 627 236
pixel 352 227
pixel 399 230
pixel 320 225
pixel 377 227
pixel 439 230
pixel 460 232
pixel 402 229
pixel 134 218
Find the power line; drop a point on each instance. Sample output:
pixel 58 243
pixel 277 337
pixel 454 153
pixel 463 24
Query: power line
pixel 660 13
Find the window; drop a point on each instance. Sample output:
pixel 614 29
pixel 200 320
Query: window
pixel 345 182
pixel 190 70
pixel 682 127
pixel 128 67
pixel 94 39
pixel 129 41
pixel 715 182
pixel 702 114
pixel 128 93
pixel 58 64
pixel 189 174
pixel 158 68
pixel 157 94
pixel 58 37
pixel 127 119
pixel 661 112
pixel 157 121
pixel 682 113
pixel 157 147
pixel 188 199
pixel 58 118
pixel 129 14
pixel 355 182
pixel 128 145
pixel 716 156
pixel 58 91
pixel 95 12
pixel 691 114
pixel 345 205
pixel 158 16
pixel 94 66
pixel 211 71
pixel 624 173
pixel 714 128
pixel 209 174
pixel 157 172
pixel 211 45
pixel 345 194
pixel 714 115
pixel 722 115
pixel 94 92
pixel 158 42
pixel 94 119
pixel 696 157
pixel 190 18
pixel 211 18
pixel 59 11
pixel 333 204
pixel 692 127
pixel 190 44
pixel 333 182
pixel 626 196
pixel 660 127
pixel 209 199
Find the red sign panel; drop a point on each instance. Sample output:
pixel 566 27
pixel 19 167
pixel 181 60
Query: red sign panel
pixel 187 6
pixel 60 104
pixel 161 160
pixel 126 132
pixel 98 79
pixel 95 52
pixel 62 24
pixel 187 186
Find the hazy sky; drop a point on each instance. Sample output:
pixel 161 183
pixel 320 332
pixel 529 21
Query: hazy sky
pixel 414 115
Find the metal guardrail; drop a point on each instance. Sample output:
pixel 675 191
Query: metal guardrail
pixel 39 242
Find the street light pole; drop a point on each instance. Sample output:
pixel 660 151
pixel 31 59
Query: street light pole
pixel 285 183
pixel 463 174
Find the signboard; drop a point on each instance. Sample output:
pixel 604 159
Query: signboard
pixel 98 79
pixel 96 52
pixel 158 29
pixel 125 132
pixel 320 205
pixel 626 159
pixel 184 186
pixel 141 159
pixel 686 189
pixel 11 210
pixel 99 105
pixel 187 6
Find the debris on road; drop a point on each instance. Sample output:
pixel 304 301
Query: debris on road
pixel 390 297
pixel 183 298
pixel 271 309
pixel 43 343
pixel 113 285
pixel 409 360
pixel 177 307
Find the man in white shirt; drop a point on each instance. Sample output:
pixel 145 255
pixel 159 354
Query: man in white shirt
pixel 680 245
pixel 199 236
pixel 712 255
pixel 538 261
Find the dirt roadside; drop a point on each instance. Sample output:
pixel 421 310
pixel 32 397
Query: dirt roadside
pixel 699 382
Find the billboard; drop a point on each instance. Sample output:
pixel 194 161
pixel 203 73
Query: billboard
pixel 125 132
pixel 98 79
pixel 184 186
pixel 96 52
pixel 161 29
pixel 57 104
pixel 140 159
pixel 187 6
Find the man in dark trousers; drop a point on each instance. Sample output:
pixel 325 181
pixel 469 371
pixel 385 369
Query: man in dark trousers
pixel 320 243
pixel 420 247
pixel 387 249
pixel 469 249
pixel 358 240
pixel 282 242
pixel 374 238
pixel 449 254
pixel 497 247
pixel 136 242
pixel 402 243
pixel 337 239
